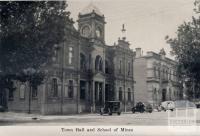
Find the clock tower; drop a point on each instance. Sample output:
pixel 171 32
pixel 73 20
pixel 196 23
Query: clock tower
pixel 91 23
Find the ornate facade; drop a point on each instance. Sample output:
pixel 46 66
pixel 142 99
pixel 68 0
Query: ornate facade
pixel 84 72
pixel 156 78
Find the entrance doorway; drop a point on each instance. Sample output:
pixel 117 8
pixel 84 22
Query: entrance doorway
pixel 99 93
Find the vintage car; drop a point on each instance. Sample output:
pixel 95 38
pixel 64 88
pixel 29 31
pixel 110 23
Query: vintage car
pixel 139 107
pixel 168 105
pixel 111 107
pixel 142 107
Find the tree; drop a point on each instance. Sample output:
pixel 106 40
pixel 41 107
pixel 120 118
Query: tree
pixel 186 48
pixel 29 31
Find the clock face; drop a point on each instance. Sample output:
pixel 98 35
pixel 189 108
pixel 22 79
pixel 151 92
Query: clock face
pixel 86 31
pixel 98 32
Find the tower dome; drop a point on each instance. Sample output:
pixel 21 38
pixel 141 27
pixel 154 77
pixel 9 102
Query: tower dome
pixel 91 8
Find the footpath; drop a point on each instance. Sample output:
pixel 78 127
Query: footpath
pixel 14 117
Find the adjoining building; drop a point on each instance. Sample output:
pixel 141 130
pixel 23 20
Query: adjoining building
pixel 156 78
pixel 83 74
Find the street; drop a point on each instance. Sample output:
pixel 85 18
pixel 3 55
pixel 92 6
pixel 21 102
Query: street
pixel 137 119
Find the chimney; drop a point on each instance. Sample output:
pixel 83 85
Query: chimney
pixel 138 52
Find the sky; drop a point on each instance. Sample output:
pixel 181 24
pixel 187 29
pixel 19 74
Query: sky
pixel 147 22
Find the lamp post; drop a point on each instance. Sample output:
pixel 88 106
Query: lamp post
pixel 29 72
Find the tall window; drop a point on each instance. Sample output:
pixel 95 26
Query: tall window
pixel 70 55
pixel 22 91
pixel 98 63
pixel 129 94
pixel 82 62
pixel 54 87
pixel 34 91
pixel 120 94
pixel 70 89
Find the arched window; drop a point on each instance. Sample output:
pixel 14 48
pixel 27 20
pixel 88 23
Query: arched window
pixel 82 62
pixel 98 63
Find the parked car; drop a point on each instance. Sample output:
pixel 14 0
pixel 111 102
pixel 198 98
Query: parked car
pixel 139 107
pixel 111 107
pixel 167 105
pixel 142 107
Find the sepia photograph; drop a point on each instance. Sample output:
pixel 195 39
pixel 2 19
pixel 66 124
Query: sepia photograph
pixel 100 67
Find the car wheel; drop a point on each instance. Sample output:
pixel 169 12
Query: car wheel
pixel 118 113
pixel 172 109
pixel 133 111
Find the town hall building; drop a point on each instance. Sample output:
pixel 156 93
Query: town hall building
pixel 83 74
